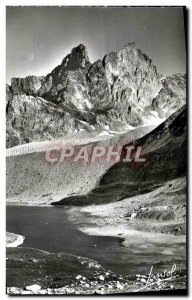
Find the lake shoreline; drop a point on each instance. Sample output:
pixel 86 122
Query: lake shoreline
pixel 113 227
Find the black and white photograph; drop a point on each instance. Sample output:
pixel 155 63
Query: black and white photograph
pixel 96 150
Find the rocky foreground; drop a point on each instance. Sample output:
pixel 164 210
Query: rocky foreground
pixel 34 272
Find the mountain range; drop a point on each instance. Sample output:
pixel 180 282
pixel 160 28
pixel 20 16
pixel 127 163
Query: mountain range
pixel 121 92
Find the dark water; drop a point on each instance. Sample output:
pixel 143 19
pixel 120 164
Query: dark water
pixel 49 229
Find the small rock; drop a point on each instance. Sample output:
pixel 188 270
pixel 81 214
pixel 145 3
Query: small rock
pixel 43 292
pixel 102 277
pixel 172 286
pixel 109 286
pixel 133 215
pixel 100 291
pixel 143 276
pixel 50 291
pixel 14 290
pixel 119 286
pixel 26 293
pixel 33 288
pixel 78 277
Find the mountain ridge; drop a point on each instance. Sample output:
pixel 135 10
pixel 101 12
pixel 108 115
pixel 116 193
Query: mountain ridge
pixel 119 92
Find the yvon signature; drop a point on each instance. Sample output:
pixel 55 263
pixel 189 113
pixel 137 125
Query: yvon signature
pixel 154 279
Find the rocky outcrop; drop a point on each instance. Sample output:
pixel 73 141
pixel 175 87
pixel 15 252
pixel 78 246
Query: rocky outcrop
pixel 121 91
pixel 57 81
pixel 26 86
pixel 32 119
pixel 172 95
pixel 8 95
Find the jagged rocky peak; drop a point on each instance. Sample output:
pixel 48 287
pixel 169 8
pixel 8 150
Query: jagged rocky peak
pixel 133 83
pixel 121 91
pixel 57 80
pixel 33 85
pixel 78 58
pixel 132 71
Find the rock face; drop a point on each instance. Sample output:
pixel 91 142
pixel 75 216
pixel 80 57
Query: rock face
pixel 26 86
pixel 123 89
pixel 171 96
pixel 32 118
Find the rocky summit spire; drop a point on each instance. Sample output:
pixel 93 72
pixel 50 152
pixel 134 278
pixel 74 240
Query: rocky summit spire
pixel 78 58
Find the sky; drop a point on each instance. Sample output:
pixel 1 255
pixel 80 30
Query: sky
pixel 38 38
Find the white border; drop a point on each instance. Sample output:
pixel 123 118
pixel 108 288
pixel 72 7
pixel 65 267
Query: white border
pixel 96 3
pixel 2 98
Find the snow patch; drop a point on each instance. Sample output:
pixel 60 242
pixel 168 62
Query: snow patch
pixel 13 240
pixel 104 133
pixel 153 119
